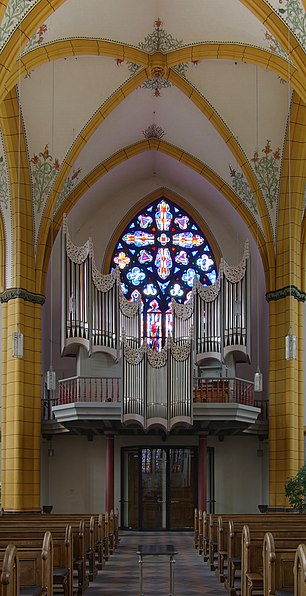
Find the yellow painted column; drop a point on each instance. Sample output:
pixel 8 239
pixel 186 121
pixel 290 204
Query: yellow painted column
pixel 286 397
pixel 21 403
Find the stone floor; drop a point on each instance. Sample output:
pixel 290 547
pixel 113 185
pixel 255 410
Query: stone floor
pixel 120 574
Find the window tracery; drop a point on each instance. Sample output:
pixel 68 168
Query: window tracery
pixel 160 254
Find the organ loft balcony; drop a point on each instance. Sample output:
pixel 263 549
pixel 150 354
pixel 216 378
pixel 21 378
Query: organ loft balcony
pixel 129 378
pixel 95 405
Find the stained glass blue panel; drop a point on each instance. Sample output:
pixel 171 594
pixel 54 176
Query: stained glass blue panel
pixel 159 254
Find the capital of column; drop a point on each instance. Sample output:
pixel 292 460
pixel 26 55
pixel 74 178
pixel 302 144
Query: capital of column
pixel 13 293
pixel 285 292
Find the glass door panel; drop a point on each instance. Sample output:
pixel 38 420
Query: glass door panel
pixel 131 489
pixel 154 488
pixel 182 489
pixel 158 488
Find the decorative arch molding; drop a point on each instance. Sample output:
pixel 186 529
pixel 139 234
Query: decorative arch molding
pixel 240 52
pixel 2 254
pixel 207 109
pixel 3 7
pixel 266 248
pixel 303 254
pixel 292 188
pixel 21 200
pixel 160 193
pixel 278 28
pixel 108 107
pixel 202 51
pixel 21 35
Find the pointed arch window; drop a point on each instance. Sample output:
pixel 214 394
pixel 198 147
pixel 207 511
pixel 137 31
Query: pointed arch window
pixel 159 253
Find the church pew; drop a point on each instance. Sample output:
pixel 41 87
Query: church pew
pixel 299 571
pixel 252 560
pixel 35 564
pixel 9 578
pixel 95 537
pixel 99 540
pixel 278 564
pixel 229 536
pixel 54 524
pixel 28 536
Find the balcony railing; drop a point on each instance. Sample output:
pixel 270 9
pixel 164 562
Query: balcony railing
pixel 88 389
pixel 223 391
pixel 108 390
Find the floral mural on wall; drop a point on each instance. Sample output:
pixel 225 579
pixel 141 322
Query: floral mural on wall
pixel 294 14
pixel 242 189
pixel 158 41
pixel 267 167
pixel 15 11
pixel 273 44
pixel 153 131
pixel 4 184
pixel 36 39
pixel 44 171
pixel 67 188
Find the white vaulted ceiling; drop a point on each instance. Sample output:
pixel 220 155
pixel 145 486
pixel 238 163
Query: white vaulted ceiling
pixel 86 79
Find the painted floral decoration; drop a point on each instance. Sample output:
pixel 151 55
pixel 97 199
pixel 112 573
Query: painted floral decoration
pixel 158 41
pixel 67 188
pixel 153 132
pixel 38 38
pixel 242 189
pixel 295 16
pixel 273 44
pixel 4 184
pixel 267 171
pixel 15 11
pixel 44 171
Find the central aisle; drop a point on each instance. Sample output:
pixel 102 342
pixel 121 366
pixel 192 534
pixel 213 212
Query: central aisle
pixel 120 574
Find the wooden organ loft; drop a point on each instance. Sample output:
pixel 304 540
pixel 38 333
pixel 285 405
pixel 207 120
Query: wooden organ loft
pixel 123 384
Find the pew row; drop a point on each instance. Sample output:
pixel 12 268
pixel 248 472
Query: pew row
pixel 24 537
pixel 299 571
pixel 9 578
pixel 34 567
pixel 94 539
pixel 230 548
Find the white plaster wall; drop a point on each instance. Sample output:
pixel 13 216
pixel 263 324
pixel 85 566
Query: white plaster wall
pixel 74 478
pixel 240 474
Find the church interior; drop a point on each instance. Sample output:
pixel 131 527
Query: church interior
pixel 152 264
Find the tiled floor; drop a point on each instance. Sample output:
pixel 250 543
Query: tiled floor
pixel 120 574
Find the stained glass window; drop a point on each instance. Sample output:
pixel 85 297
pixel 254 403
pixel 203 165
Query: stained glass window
pixel 159 254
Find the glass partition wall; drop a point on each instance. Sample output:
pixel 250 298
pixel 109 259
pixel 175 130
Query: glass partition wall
pixel 158 488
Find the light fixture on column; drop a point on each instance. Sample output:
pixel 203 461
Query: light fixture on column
pixel 290 345
pixel 51 451
pixel 258 378
pixel 290 339
pixel 17 344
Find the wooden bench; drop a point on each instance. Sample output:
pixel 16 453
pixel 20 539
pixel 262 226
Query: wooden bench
pixel 9 579
pixel 278 564
pixel 27 535
pixel 253 570
pixel 229 536
pixel 93 539
pixel 35 564
pixel 299 571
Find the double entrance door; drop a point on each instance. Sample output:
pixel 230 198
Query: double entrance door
pixel 158 488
